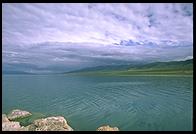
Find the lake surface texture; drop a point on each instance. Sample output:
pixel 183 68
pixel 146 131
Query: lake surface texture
pixel 87 102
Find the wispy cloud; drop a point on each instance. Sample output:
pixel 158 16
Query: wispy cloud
pixel 95 34
pixel 98 23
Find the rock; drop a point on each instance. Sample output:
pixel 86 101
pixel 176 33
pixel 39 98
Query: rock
pixel 4 118
pixel 57 123
pixel 18 114
pixel 11 126
pixel 29 128
pixel 107 128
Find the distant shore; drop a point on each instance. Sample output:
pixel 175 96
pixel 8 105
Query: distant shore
pixel 132 73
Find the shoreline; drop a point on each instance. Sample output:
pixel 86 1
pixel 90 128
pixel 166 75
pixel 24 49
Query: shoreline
pixel 13 121
pixel 130 75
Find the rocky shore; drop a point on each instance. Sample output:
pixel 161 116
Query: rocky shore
pixel 54 123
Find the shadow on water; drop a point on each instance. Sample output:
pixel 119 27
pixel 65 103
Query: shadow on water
pixel 29 120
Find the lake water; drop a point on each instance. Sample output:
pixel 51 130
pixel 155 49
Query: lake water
pixel 87 102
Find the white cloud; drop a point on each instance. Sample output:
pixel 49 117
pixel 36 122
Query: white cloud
pixel 34 23
pixel 78 55
pixel 186 58
pixel 90 34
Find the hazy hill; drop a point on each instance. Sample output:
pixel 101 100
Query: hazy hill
pixel 172 67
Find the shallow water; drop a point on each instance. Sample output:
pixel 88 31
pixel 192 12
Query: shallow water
pixel 87 102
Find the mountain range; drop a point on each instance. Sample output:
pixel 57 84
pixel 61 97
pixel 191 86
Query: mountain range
pixel 134 68
pixel 172 67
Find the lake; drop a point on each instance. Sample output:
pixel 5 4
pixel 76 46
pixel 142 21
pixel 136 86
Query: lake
pixel 157 103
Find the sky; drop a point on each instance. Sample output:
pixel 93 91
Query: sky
pixel 57 37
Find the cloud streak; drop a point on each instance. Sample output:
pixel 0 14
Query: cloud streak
pixel 69 56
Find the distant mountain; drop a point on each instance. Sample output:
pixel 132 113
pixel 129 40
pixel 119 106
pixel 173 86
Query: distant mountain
pixel 133 68
pixel 187 64
pixel 156 67
pixel 107 68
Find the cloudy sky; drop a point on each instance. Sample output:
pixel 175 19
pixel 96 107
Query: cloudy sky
pixel 63 37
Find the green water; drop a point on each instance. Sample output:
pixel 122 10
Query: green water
pixel 87 102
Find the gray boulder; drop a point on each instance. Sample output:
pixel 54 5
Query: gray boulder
pixel 4 118
pixel 11 126
pixel 18 114
pixel 57 123
pixel 107 128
